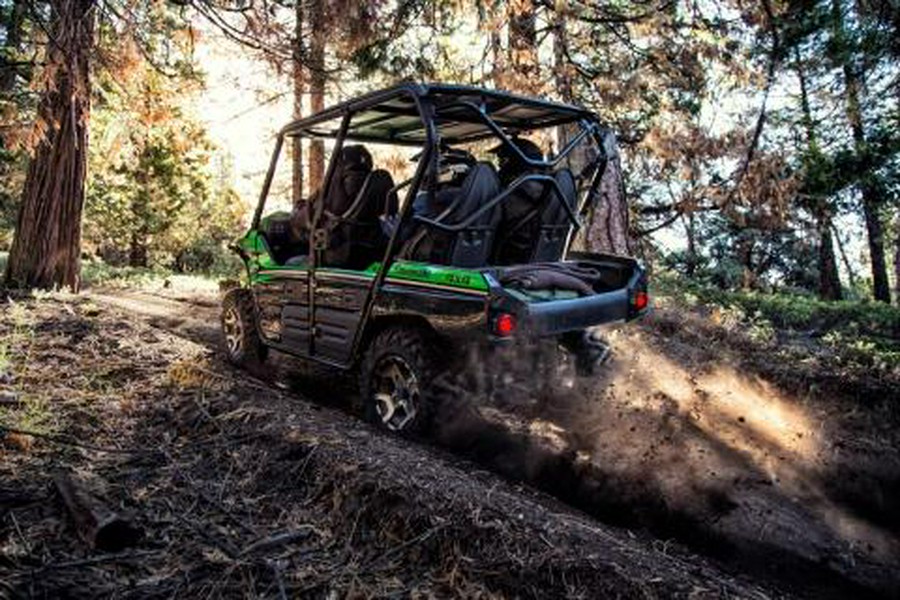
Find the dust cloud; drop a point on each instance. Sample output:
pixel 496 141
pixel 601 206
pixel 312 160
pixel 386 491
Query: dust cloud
pixel 694 450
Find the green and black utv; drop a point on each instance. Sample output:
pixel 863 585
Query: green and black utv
pixel 398 276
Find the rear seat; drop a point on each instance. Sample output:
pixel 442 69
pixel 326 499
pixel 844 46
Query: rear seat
pixel 536 224
pixel 555 224
pixel 357 198
pixel 471 246
pixel 356 238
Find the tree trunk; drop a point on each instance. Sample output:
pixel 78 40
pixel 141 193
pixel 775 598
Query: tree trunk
pixel 523 59
pixel 137 250
pixel 745 259
pixel 46 249
pixel 563 81
pixel 872 194
pixel 299 90
pixel 563 71
pixel 316 66
pixel 897 260
pixel 690 227
pixel 829 278
pixel 872 202
pixel 498 64
pixel 607 229
pixel 851 275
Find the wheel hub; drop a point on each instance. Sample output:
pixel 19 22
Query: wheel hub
pixel 396 393
pixel 234 331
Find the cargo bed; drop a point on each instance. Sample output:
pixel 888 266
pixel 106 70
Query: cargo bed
pixel 584 291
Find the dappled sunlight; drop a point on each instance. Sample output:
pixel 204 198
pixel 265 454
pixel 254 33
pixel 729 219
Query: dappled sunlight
pixel 740 411
pixel 722 448
pixel 754 405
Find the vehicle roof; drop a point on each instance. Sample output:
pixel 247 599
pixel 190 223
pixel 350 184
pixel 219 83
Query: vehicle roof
pixel 392 116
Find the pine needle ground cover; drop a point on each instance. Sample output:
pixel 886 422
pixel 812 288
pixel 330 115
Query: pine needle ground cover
pixel 688 469
pixel 240 489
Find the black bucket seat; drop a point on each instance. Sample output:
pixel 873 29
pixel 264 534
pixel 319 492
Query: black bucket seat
pixel 468 246
pixel 535 223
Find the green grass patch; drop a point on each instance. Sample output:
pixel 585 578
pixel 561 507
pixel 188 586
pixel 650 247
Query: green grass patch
pixel 862 333
pixel 804 312
pixel 34 413
pixel 100 274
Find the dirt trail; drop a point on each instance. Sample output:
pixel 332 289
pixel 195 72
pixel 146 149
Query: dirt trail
pixel 244 490
pixel 679 438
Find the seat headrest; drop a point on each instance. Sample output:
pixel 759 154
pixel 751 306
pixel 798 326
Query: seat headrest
pixel 351 173
pixel 480 185
pixel 555 212
pixel 356 158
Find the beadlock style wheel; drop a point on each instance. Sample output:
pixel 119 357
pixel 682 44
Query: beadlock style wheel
pixel 396 379
pixel 396 392
pixel 234 331
pixel 243 347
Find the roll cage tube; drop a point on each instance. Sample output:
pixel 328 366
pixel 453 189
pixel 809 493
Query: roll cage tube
pixel 587 128
pixel 519 182
pixel 326 187
pixel 267 182
pixel 427 163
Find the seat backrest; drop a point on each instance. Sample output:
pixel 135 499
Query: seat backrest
pixel 555 223
pixel 356 238
pixel 376 198
pixel 351 171
pixel 277 231
pixel 521 222
pixel 471 246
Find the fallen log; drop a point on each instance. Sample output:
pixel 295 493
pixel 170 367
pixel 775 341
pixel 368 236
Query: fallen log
pixel 98 525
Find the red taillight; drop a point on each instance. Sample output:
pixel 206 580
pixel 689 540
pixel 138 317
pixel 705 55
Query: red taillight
pixel 504 324
pixel 641 300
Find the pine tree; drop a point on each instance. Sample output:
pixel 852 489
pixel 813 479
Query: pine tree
pixel 46 248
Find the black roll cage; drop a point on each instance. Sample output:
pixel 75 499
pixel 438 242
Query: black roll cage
pixel 427 110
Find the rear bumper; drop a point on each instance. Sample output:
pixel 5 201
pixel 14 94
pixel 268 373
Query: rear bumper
pixel 551 318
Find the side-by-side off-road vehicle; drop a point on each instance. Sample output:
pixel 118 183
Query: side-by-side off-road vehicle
pixel 400 280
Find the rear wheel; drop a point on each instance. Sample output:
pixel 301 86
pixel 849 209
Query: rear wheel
pixel 395 379
pixel 243 347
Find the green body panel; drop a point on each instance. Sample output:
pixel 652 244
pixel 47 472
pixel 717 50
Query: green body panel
pixel 262 268
pixel 438 275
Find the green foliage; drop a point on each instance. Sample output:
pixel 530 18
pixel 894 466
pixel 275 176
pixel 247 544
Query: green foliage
pixel 794 311
pixel 154 198
pixel 12 172
pixel 96 273
pixel 860 333
pixel 731 257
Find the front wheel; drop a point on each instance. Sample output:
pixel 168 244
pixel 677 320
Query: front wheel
pixel 243 347
pixel 395 379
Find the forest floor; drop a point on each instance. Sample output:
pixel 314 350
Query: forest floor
pixel 702 463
